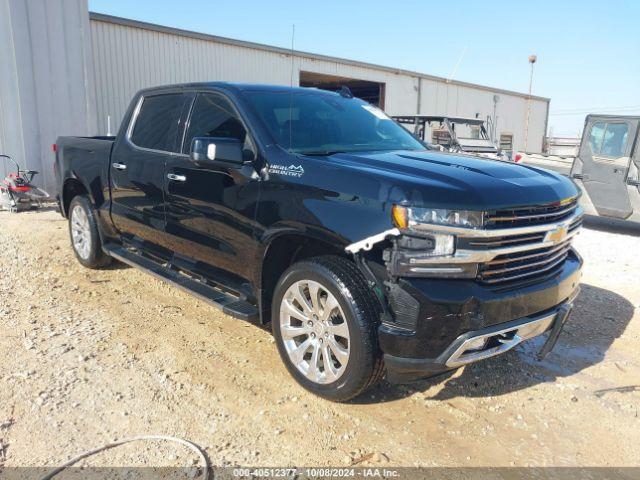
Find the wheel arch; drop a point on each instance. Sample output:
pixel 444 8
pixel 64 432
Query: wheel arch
pixel 285 249
pixel 364 367
pixel 71 188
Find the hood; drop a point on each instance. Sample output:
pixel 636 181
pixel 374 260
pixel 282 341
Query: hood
pixel 448 180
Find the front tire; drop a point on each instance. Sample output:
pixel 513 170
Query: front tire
pixel 83 231
pixel 324 320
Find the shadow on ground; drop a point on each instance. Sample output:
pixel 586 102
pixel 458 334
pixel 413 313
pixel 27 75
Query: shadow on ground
pixel 43 208
pixel 48 208
pixel 599 317
pixel 117 265
pixel 620 227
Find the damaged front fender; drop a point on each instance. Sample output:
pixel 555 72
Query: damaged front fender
pixel 367 244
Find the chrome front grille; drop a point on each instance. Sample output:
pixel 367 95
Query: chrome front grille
pixel 501 257
pixel 523 265
pixel 536 215
pixel 575 225
pixel 507 240
pixel 536 257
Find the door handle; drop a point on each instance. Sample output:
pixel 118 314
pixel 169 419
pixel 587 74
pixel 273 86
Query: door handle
pixel 119 166
pixel 633 183
pixel 177 178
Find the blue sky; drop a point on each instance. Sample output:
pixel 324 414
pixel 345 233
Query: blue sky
pixel 587 50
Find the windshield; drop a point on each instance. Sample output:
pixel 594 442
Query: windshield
pixel 322 123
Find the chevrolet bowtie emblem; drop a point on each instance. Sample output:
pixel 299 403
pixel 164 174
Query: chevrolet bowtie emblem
pixel 557 235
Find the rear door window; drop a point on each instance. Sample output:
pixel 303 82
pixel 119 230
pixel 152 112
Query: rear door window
pixel 156 126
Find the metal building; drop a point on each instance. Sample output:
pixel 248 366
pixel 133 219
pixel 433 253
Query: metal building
pixel 46 80
pixel 130 54
pixel 70 76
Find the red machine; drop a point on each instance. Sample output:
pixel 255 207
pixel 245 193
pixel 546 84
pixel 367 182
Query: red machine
pixel 17 193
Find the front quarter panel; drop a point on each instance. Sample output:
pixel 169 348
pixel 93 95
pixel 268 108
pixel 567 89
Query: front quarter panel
pixel 315 197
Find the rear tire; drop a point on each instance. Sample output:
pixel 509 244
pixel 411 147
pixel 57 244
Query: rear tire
pixel 83 231
pixel 324 321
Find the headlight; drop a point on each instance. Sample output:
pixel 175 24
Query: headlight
pixel 427 256
pixel 425 251
pixel 406 218
pixel 433 244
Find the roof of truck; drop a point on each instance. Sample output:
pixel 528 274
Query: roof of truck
pixel 235 86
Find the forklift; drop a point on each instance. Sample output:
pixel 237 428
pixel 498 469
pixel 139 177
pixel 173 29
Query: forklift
pixel 454 134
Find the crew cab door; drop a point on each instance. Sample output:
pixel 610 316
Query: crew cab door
pixel 211 209
pixel 605 156
pixel 137 167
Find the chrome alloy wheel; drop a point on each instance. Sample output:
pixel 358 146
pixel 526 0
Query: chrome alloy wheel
pixel 314 331
pixel 80 232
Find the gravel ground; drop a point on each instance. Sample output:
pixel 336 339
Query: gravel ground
pixel 90 356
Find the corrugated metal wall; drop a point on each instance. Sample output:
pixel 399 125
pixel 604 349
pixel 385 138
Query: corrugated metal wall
pixel 129 56
pixel 46 80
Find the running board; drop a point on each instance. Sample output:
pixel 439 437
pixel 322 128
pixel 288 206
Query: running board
pixel 229 304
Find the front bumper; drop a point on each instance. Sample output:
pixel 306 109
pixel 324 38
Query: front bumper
pixel 463 351
pixel 452 313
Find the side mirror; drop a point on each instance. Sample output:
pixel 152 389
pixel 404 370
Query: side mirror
pixel 217 150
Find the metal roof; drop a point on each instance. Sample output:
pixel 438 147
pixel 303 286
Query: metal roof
pixel 438 118
pixel 612 116
pixel 101 17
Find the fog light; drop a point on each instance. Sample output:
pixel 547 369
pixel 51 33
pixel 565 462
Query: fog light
pixel 444 244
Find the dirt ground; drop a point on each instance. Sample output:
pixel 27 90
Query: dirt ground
pixel 90 356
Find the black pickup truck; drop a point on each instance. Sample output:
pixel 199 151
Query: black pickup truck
pixel 313 210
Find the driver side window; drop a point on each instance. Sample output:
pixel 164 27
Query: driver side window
pixel 213 116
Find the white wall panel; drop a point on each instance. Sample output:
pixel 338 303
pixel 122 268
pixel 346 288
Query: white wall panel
pixel 441 98
pixel 46 84
pixel 130 55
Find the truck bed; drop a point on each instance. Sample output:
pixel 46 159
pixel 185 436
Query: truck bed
pixel 87 158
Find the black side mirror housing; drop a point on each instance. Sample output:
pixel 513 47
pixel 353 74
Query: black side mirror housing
pixel 217 150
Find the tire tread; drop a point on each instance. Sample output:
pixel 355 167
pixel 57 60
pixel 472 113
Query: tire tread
pixel 367 313
pixel 98 259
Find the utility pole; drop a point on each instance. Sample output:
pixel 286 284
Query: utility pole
pixel 532 60
pixel 494 120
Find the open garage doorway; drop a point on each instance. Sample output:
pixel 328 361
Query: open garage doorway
pixel 372 92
